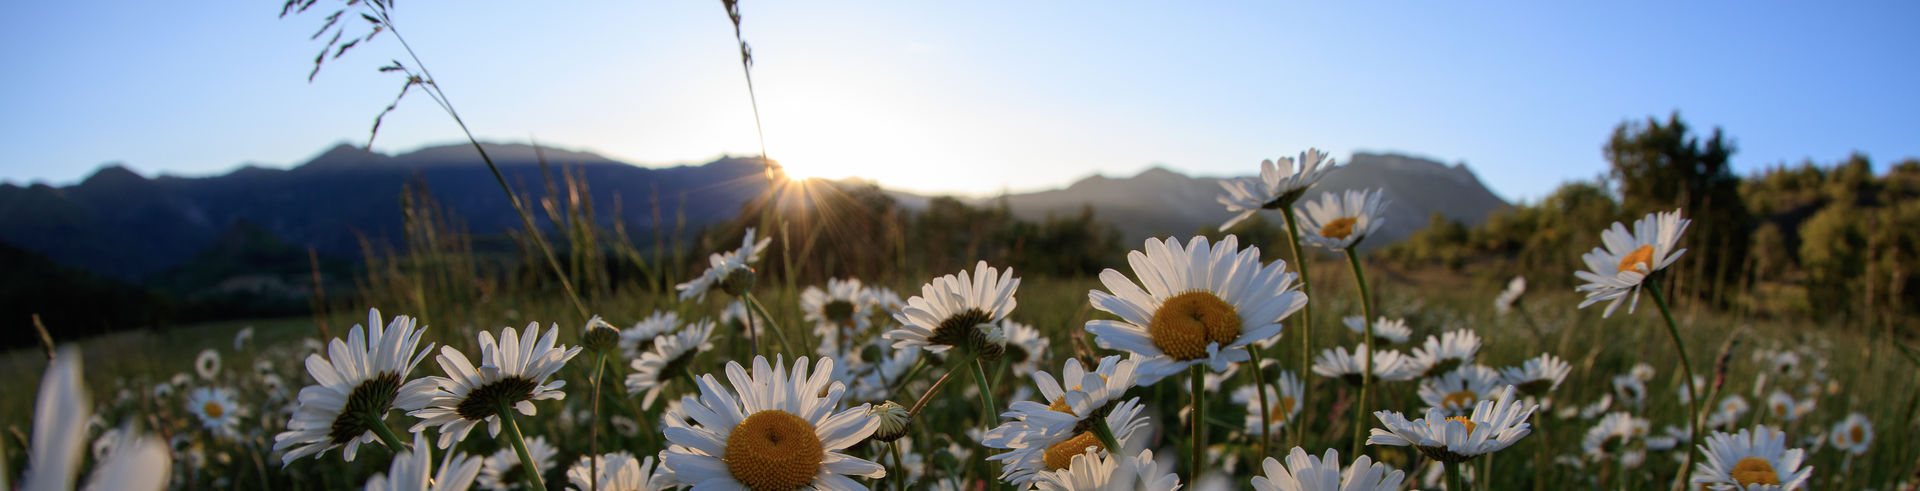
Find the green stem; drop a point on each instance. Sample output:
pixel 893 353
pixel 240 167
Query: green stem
pixel 1198 374
pixel 899 467
pixel 1366 377
pixel 1105 434
pixel 1306 313
pixel 771 325
pixel 379 426
pixel 530 469
pixel 1485 477
pixel 1455 482
pixel 1686 366
pixel 986 395
pixel 1266 410
pixel 593 425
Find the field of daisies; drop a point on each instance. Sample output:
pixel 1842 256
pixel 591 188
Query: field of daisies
pixel 1197 364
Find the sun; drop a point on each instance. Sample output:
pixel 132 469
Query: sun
pixel 795 174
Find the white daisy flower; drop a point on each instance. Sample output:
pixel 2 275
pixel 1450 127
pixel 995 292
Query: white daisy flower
pixel 1385 331
pixel 1444 353
pixel 1202 303
pixel 502 470
pixel 1612 434
pixel 779 433
pixel 1782 406
pixel 217 410
pixel 60 413
pixel 1505 301
pixel 619 471
pixel 1685 396
pixel 1631 389
pixel 1284 403
pixel 734 317
pixel 1614 273
pixel 512 373
pixel 1494 425
pixel 1339 222
pixel 839 313
pixel 1538 376
pixel 1731 409
pixel 1751 461
pixel 207 364
pixel 1303 472
pixel 1598 407
pixel 877 380
pixel 241 338
pixel 1642 371
pixel 1097 471
pixel 162 390
pixel 413 470
pixel 1786 362
pixel 1025 348
pixel 1388 365
pixel 1460 390
pixel 945 314
pixel 1041 437
pixel 1277 187
pixel 640 338
pixel 365 377
pixel 1854 434
pixel 727 269
pixel 668 360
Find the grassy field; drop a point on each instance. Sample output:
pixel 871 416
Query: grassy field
pixel 1842 370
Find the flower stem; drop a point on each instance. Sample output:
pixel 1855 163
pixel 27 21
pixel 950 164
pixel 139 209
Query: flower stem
pixel 900 479
pixel 1266 409
pixel 1105 434
pixel 1366 376
pixel 593 425
pixel 1455 482
pixel 771 325
pixel 1693 403
pixel 986 395
pixel 1306 314
pixel 378 424
pixel 1198 373
pixel 519 442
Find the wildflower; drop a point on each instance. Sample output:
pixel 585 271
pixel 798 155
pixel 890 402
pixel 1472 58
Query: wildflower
pixel 240 339
pixel 1730 410
pixel 1444 353
pixel 640 338
pixel 1284 403
pixel 1493 425
pixel 1782 406
pixel 732 271
pixel 512 373
pixel 1751 461
pixel 365 378
pixel 60 411
pixel 668 360
pixel 619 471
pixel 1042 437
pixel 839 311
pixel 1460 390
pixel 411 467
pixel 894 421
pixel 949 308
pixel 1854 434
pixel 780 432
pixel 1615 272
pixel 1093 471
pixel 1388 365
pixel 217 410
pixel 1631 389
pixel 501 470
pixel 1505 301
pixel 600 337
pixel 1339 222
pixel 1538 375
pixel 1025 346
pixel 1612 434
pixel 207 364
pixel 1385 331
pixel 1202 303
pixel 1277 187
pixel 1304 472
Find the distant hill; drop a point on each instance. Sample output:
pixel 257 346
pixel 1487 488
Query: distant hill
pixel 1161 202
pixel 121 224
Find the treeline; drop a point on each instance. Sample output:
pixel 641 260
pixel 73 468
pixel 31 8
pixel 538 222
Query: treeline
pixel 1825 241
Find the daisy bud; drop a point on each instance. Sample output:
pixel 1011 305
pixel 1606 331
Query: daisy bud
pixel 990 341
pixel 737 282
pixel 601 337
pixel 894 421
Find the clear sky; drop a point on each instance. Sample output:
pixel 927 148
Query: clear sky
pixel 969 97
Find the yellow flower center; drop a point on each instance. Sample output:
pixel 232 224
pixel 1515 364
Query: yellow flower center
pixel 1186 323
pixel 1641 259
pixel 773 450
pixel 1857 434
pixel 1779 409
pixel 1284 409
pixel 1468 422
pixel 213 409
pixel 1754 470
pixel 1461 399
pixel 1059 455
pixel 1339 228
pixel 1060 403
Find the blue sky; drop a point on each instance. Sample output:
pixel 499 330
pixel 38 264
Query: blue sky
pixel 970 97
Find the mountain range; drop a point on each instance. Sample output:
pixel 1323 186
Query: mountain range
pixel 120 224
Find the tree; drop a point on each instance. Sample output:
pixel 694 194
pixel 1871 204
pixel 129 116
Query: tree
pixel 1662 166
